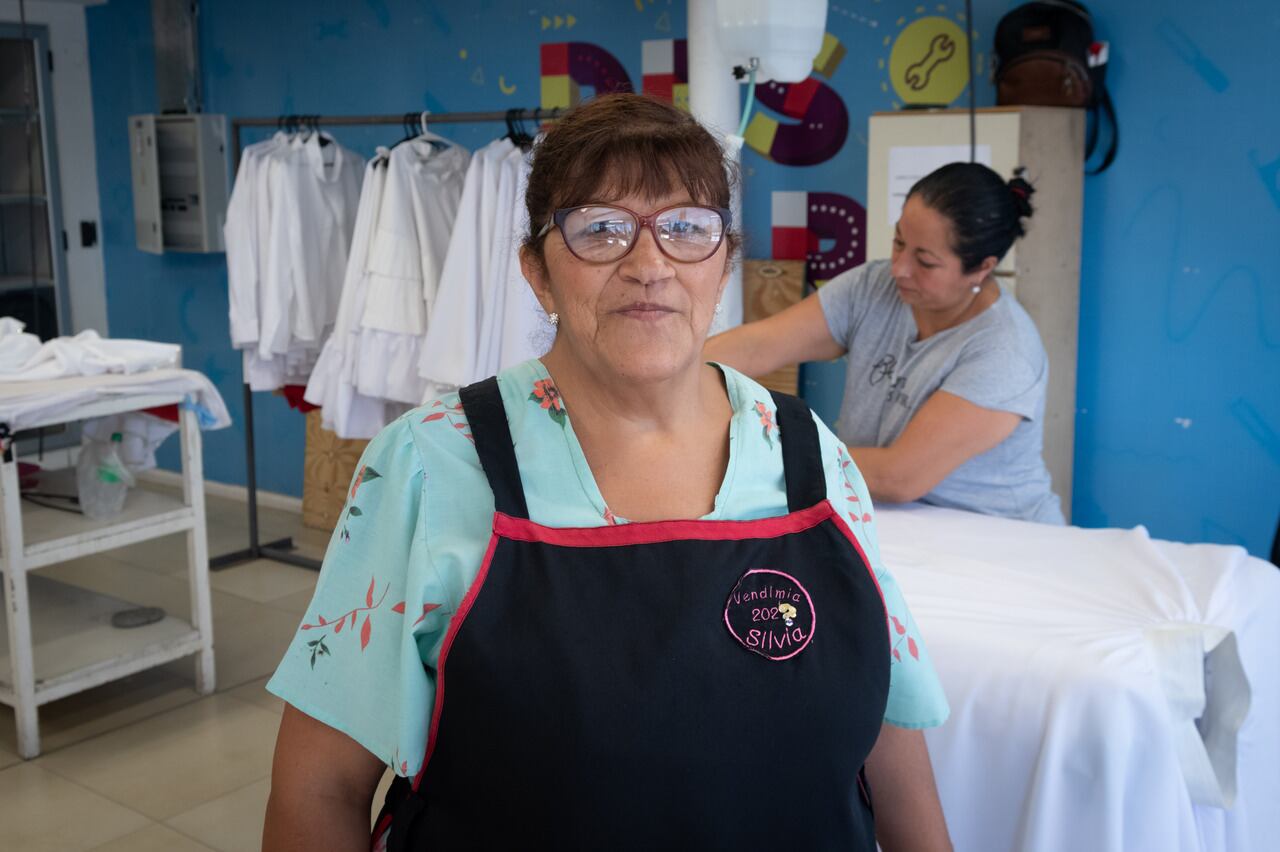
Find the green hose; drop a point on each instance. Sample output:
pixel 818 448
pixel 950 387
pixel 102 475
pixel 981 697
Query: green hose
pixel 751 99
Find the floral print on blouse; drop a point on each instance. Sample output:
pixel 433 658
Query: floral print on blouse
pixel 418 519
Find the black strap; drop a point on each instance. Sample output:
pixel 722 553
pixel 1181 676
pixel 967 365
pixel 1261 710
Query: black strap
pixel 801 453
pixel 488 421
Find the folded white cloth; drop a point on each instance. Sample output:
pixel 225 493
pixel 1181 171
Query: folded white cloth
pixel 16 346
pixel 28 405
pixel 86 354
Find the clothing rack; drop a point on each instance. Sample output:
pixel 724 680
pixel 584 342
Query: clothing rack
pixel 281 550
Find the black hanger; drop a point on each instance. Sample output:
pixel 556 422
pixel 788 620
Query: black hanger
pixel 315 124
pixel 516 131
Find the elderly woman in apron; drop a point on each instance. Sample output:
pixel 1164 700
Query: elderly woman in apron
pixel 614 598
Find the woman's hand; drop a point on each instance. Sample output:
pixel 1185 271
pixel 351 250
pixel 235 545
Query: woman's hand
pixel 945 433
pixel 800 333
pixel 904 795
pixel 322 785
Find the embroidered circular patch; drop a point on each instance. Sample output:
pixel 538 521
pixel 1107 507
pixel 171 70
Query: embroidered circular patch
pixel 770 614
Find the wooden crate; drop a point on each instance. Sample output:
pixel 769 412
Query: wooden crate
pixel 769 287
pixel 329 464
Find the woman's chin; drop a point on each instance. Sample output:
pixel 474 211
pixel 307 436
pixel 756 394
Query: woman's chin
pixel 648 362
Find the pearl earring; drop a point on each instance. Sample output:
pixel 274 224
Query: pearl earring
pixel 554 318
pixel 977 288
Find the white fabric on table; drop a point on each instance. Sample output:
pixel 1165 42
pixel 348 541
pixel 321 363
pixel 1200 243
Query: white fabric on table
pixel 1074 662
pixel 16 346
pixel 26 405
pixel 86 354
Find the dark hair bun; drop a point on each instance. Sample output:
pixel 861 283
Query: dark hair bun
pixel 1021 191
pixel 985 211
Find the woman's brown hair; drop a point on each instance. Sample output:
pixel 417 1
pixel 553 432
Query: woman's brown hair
pixel 625 144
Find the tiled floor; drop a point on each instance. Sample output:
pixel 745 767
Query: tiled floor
pixel 146 763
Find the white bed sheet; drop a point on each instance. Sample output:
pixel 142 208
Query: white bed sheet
pixel 1072 660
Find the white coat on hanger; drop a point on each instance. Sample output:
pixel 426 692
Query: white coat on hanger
pixel 450 355
pixel 418 209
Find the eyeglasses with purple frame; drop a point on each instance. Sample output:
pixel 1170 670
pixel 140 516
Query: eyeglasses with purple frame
pixel 561 216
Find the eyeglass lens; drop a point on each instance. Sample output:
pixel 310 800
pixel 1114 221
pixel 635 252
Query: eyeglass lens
pixel 599 233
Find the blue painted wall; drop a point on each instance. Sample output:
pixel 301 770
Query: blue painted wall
pixel 1179 375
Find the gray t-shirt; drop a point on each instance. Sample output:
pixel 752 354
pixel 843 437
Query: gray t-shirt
pixel 994 360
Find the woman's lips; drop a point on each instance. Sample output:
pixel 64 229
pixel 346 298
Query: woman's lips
pixel 645 311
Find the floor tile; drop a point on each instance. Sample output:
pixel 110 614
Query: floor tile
pixel 263 580
pixel 249 641
pixel 230 823
pixel 125 580
pixel 8 757
pixel 42 812
pixel 296 603
pixel 106 708
pixel 154 838
pixel 171 763
pixel 255 692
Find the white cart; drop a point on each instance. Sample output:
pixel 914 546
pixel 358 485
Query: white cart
pixel 43 666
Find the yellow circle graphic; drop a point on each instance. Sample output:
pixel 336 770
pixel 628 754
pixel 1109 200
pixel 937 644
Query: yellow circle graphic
pixel 928 63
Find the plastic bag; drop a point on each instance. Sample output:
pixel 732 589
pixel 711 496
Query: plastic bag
pixel 102 479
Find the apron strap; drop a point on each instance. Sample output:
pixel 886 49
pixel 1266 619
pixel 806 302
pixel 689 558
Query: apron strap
pixel 487 418
pixel 801 453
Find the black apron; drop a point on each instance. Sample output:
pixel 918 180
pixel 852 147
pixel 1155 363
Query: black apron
pixel 680 684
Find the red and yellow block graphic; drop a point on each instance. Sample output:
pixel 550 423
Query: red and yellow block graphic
pixel 823 119
pixel 569 65
pixel 824 229
pixel 664 65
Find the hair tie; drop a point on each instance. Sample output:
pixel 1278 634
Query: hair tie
pixel 1019 191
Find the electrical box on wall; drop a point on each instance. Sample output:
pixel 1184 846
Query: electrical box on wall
pixel 179 181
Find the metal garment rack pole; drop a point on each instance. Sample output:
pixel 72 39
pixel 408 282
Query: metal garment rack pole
pixel 281 550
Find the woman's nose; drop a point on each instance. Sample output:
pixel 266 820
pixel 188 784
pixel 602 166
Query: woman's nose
pixel 646 262
pixel 900 268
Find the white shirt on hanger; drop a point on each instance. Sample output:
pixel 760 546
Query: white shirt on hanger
pixel 241 235
pixel 450 355
pixel 525 331
pixel 344 410
pixel 328 178
pixel 419 205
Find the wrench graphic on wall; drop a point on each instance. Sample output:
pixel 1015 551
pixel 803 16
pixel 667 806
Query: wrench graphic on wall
pixel 941 48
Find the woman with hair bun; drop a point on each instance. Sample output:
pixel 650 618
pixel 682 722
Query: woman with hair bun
pixel 945 389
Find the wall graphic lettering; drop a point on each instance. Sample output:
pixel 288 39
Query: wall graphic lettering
pixel 569 65
pixel 822 118
pixel 664 65
pixel 825 229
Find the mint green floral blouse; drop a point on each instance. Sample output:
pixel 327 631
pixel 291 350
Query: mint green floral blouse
pixel 418 519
